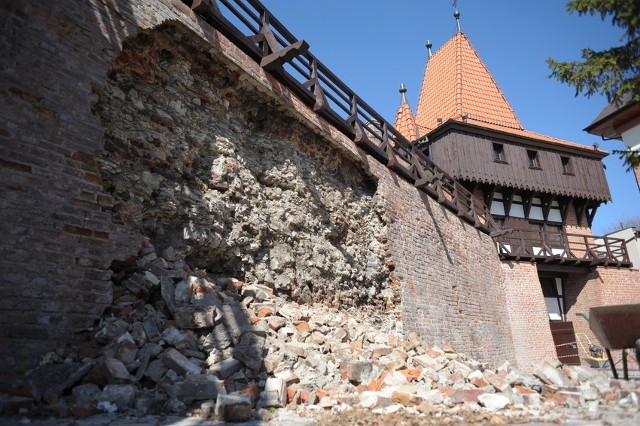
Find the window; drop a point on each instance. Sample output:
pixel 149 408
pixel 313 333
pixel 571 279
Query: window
pixel 555 214
pixel 498 153
pixel 535 212
pixel 566 165
pixel 534 163
pixel 552 289
pixel 517 207
pixel 497 204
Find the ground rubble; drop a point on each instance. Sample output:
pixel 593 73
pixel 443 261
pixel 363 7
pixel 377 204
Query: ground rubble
pixel 178 341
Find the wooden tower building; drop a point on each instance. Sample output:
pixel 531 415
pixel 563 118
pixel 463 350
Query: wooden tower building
pixel 544 191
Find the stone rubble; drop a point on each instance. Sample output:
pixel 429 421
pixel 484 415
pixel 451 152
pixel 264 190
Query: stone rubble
pixel 190 343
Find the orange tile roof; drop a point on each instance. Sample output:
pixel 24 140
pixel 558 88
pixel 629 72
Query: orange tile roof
pixel 457 85
pixel 531 135
pixel 405 122
pixel 457 82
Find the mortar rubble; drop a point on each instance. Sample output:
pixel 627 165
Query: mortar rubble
pixel 184 342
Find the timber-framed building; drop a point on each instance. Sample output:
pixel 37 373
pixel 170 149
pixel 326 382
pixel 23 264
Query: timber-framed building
pixel 543 191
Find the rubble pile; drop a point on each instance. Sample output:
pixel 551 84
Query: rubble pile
pixel 181 341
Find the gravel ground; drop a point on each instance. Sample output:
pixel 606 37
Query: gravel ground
pixel 457 415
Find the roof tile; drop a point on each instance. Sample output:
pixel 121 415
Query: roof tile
pixel 458 86
pixel 457 82
pixel 405 122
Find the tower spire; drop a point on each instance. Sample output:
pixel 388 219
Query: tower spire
pixel 403 94
pixel 456 14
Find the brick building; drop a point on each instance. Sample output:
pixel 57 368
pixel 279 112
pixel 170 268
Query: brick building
pixel 544 191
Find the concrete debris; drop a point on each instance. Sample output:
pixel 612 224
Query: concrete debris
pixel 215 346
pixel 48 382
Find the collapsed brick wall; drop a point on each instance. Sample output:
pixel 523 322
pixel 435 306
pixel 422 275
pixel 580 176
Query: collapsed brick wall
pixel 198 161
pixel 75 198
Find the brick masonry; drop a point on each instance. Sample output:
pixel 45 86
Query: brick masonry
pixel 527 314
pixel 602 286
pixel 452 281
pixel 59 238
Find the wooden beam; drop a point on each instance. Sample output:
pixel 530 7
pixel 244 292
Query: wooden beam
pixel 526 202
pixel 314 84
pixel 210 12
pixel 265 38
pixel 564 205
pixel 579 206
pixel 568 269
pixel 488 196
pixel 279 57
pixel 546 205
pixel 507 198
pixel 591 214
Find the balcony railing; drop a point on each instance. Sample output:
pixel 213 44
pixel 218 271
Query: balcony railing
pixel 567 249
pixel 254 30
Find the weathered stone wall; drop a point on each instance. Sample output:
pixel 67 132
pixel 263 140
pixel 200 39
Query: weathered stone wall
pixel 198 161
pixel 182 139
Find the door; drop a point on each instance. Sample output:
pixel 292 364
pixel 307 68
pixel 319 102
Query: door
pixel 564 338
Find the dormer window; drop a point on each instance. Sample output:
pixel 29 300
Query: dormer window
pixel 534 162
pixel 498 153
pixel 566 165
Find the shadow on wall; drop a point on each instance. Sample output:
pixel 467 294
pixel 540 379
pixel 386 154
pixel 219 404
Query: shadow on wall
pixel 115 21
pixel 56 245
pixel 427 202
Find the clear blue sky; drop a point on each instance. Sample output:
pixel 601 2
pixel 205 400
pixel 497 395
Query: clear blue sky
pixel 375 45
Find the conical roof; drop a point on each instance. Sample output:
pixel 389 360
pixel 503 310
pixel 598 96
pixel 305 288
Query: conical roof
pixel 457 83
pixel 405 122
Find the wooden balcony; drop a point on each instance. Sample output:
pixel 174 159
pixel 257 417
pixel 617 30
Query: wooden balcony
pixel 565 249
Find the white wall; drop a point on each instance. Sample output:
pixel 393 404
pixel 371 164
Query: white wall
pixel 633 246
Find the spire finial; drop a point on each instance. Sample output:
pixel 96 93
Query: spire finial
pixel 403 94
pixel 429 47
pixel 456 15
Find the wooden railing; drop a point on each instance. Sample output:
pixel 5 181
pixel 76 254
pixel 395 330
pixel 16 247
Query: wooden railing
pixel 572 249
pixel 251 27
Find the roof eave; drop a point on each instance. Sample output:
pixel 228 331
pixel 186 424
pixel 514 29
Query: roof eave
pixel 608 126
pixel 453 124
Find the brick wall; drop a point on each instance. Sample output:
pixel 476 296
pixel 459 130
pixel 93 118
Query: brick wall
pixel 571 223
pixel 452 282
pixel 603 286
pixel 59 237
pixel 527 314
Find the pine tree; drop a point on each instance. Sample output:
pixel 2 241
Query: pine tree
pixel 615 72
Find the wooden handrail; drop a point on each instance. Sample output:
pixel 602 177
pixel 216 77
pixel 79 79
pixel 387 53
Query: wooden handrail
pixel 268 42
pixel 548 246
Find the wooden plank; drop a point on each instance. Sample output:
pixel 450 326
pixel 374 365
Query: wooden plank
pixel 588 180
